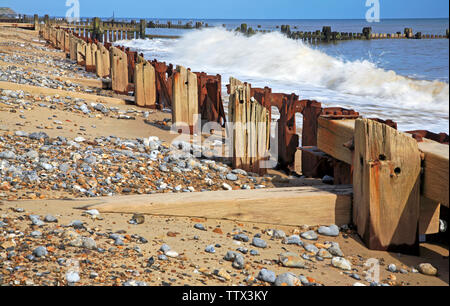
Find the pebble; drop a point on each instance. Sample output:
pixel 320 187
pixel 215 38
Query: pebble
pixel 341 263
pixel 72 277
pixel 392 268
pixel 309 235
pixel 50 219
pixel 227 187
pixel 241 237
pixel 332 230
pixel 232 177
pixel 36 234
pixel 210 249
pixel 311 248
pixel 287 279
pixel 267 276
pixel 89 243
pixel 259 243
pixel 335 250
pixel 138 219
pixel 324 254
pixel 294 239
pixel 40 251
pixel 165 248
pixel 236 258
pixel 292 260
pixel 171 254
pixel 427 269
pixel 200 227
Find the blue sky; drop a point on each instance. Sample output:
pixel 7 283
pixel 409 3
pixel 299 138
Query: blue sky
pixel 236 9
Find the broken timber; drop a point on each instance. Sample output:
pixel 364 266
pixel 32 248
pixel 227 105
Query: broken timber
pixel 386 187
pixel 284 206
pixel 251 130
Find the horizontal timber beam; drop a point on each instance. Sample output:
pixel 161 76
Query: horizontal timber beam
pixel 318 205
pixel 335 138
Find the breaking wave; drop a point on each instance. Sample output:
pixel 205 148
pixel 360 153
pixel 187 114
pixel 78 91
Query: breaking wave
pixel 287 65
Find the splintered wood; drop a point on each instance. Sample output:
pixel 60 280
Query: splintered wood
pixel 251 130
pixel 184 98
pixel 145 84
pixel 386 186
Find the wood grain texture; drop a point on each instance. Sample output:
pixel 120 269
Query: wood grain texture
pixel 145 84
pixel 386 186
pixel 429 216
pixel 119 70
pixel 436 171
pixel 332 135
pixel 320 205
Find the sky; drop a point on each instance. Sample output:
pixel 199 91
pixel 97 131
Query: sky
pixel 235 9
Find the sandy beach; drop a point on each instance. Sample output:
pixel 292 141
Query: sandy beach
pixel 67 144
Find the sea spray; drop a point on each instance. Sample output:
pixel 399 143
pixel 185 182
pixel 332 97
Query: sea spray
pixel 287 65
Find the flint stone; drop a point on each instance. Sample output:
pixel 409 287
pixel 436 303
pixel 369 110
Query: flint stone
pixel 341 263
pixel 332 230
pixel 310 235
pixel 259 243
pixel 267 276
pixel 287 279
pixel 292 260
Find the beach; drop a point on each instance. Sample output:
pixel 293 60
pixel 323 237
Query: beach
pixel 67 144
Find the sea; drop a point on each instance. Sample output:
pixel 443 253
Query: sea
pixel 405 80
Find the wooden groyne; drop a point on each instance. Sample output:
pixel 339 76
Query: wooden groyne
pixel 399 180
pixel 328 35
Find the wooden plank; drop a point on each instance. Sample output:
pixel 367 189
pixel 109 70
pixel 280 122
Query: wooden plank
pixel 102 59
pixel 149 85
pixel 88 52
pixel 179 97
pixel 386 184
pixel 332 135
pixel 192 98
pixel 429 216
pixel 185 97
pixel 139 96
pixel 298 162
pixel 321 205
pixel 436 171
pixel 119 71
pixel 81 52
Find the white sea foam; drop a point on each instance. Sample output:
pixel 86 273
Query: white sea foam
pixel 284 64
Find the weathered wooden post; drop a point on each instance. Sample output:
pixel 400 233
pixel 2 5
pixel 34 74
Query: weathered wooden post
pixel 81 52
pixel 386 186
pixel 97 29
pixel 46 20
pixel 251 129
pixel 119 70
pixel 103 61
pixel 145 84
pixel 36 22
pixel 409 33
pixel 327 33
pixel 142 28
pixel 185 98
pixel 89 58
pixel 367 32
